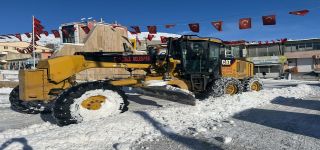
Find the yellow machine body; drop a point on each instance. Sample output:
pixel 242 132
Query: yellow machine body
pixel 238 69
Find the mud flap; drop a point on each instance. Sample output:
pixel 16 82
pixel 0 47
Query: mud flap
pixel 166 94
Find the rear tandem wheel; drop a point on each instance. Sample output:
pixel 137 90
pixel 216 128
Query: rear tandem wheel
pixel 28 107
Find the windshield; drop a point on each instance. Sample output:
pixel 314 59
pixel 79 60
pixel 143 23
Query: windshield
pixel 199 56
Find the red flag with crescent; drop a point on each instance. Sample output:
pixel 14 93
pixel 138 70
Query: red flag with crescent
pixel 150 37
pixel 245 23
pixel 85 29
pixel 136 29
pixel 56 33
pixel 194 27
pixel 300 12
pixel 18 36
pixel 152 29
pixel 269 20
pixel 217 25
pixel 169 26
pixel 45 33
pixel 163 39
pixel 28 35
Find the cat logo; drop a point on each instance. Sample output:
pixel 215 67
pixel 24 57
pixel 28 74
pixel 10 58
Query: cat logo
pixel 226 62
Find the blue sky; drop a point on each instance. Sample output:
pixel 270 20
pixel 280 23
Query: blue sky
pixel 16 16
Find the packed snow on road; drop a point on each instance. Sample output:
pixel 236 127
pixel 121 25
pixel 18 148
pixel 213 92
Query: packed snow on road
pixel 141 125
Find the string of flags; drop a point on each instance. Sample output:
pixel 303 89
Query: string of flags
pixel 244 23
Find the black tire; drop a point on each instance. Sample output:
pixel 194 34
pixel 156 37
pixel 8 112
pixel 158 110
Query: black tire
pixel 218 87
pixel 61 109
pixel 247 84
pixel 28 107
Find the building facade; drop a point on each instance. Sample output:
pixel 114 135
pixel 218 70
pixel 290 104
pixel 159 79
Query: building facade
pixel 11 59
pixel 268 59
pixel 303 58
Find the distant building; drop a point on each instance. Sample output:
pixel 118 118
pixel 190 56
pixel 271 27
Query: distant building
pixel 268 59
pixel 11 59
pixel 303 58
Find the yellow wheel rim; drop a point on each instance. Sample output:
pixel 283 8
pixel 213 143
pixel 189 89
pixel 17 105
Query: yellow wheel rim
pixel 231 89
pixel 93 102
pixel 255 86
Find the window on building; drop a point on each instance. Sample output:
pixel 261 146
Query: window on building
pixel 288 48
pixel 309 46
pixel 264 69
pixel 5 47
pixel 273 50
pixel 302 47
pixel 316 46
pixel 262 51
pixel 275 69
pixel 252 52
pixel 68 35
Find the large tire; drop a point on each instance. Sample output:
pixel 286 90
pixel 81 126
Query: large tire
pixel 219 87
pixel 28 107
pixel 253 82
pixel 68 108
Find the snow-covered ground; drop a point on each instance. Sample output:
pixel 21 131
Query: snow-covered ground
pixel 4 97
pixel 150 122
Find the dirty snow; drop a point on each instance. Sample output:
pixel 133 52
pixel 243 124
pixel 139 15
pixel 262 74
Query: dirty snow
pixel 121 131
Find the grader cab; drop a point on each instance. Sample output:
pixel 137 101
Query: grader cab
pixel 190 65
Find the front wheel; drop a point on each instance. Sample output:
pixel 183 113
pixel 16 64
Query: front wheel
pixel 89 101
pixel 253 84
pixel 222 86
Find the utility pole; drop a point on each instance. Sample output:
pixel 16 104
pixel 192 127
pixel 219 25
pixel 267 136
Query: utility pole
pixel 33 44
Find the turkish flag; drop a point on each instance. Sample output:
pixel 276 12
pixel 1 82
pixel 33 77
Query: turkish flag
pixel 217 25
pixel 36 21
pixel 245 23
pixel 300 12
pixel 284 40
pixel 194 27
pixel 152 29
pixel 28 35
pixel 136 29
pixel 150 37
pixel 85 29
pixel 18 36
pixel 45 33
pixel 269 20
pixel 163 39
pixel 169 25
pixel 56 33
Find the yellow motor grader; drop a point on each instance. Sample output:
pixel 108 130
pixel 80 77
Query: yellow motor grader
pixel 194 65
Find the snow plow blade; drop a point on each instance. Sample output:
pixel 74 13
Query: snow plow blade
pixel 167 94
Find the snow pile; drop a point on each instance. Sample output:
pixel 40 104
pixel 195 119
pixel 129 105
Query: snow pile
pixel 109 107
pixel 4 97
pixel 156 83
pixel 135 127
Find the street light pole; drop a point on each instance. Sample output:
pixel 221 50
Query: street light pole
pixel 33 44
